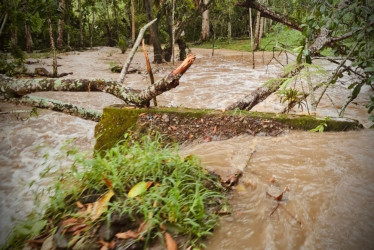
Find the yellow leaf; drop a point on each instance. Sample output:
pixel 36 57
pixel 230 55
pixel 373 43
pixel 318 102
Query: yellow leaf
pixel 101 205
pixel 139 189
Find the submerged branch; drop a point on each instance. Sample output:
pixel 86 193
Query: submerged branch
pixel 71 109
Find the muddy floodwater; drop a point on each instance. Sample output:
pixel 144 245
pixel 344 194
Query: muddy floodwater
pixel 330 176
pixel 330 202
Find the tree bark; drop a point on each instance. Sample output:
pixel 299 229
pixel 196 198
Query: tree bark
pixel 92 27
pixel 157 50
pixel 17 88
pixel 205 23
pixel 133 21
pixel 53 48
pixel 60 27
pixel 71 109
pixel 257 31
pixel 265 12
pixel 80 24
pixel 29 42
pixel 149 70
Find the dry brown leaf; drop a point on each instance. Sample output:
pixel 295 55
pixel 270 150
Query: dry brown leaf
pixel 76 227
pixel 170 242
pixel 173 127
pixel 101 205
pixel 69 222
pixel 214 129
pixel 108 183
pixel 128 235
pixel 106 245
pixel 79 204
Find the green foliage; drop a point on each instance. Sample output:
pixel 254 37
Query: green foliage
pixel 370 107
pixel 292 96
pixel 183 195
pixel 321 127
pixel 122 44
pixel 27 229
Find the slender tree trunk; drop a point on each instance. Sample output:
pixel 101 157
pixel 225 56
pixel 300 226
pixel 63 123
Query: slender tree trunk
pixel 133 31
pixel 172 32
pixel 14 37
pixel 92 27
pixel 205 24
pixel 256 43
pixel 80 24
pixel 29 42
pixel 262 24
pixel 252 42
pixel 3 23
pixel 229 24
pixel 157 50
pixel 53 48
pixel 60 27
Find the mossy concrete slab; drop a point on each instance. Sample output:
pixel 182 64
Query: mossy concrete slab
pixel 181 124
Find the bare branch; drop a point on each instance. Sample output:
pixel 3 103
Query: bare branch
pixel 71 109
pixel 133 50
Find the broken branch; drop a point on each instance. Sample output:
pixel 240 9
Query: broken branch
pixel 133 50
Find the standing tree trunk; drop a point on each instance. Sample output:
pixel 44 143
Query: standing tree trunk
pixel 229 24
pixel 60 27
pixel 205 23
pixel 256 43
pixel 172 31
pixel 168 50
pixel 29 42
pixel 262 27
pixel 80 24
pixel 53 48
pixel 3 23
pixel 92 27
pixel 133 31
pixel 251 34
pixel 14 37
pixel 157 50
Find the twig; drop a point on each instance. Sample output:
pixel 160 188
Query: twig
pixel 133 50
pixel 333 104
pixel 335 75
pixel 149 69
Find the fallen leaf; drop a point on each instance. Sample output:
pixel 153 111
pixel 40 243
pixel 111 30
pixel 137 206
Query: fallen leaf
pixel 191 136
pixel 108 183
pixel 79 204
pixel 272 179
pixel 207 139
pixel 138 189
pixel 170 242
pixel 214 129
pixel 128 235
pixel 173 127
pixel 106 245
pixel 101 205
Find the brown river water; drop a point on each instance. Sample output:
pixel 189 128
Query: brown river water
pixel 330 176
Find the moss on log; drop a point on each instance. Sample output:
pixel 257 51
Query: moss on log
pixel 180 124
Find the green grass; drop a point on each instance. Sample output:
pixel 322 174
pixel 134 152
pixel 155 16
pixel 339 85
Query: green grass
pixel 183 198
pixel 283 36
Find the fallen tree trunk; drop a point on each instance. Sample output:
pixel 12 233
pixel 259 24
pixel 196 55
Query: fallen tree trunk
pixel 14 90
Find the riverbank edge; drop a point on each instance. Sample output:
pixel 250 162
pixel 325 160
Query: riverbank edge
pixel 186 124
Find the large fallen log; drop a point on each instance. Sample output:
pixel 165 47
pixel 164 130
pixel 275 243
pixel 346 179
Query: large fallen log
pixel 15 90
